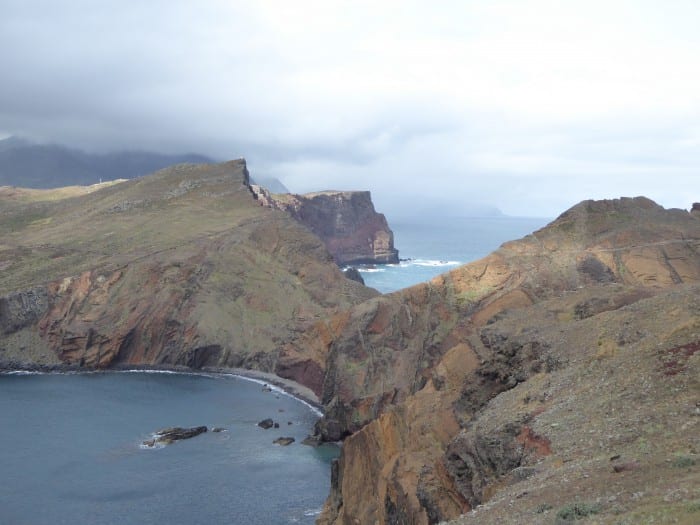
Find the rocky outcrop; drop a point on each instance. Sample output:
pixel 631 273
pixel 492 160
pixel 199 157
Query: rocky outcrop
pixel 21 309
pixel 346 221
pixel 170 435
pixel 354 274
pixel 410 372
pixel 267 423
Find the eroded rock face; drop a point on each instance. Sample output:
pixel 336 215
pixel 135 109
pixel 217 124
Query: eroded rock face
pixel 346 221
pixel 434 356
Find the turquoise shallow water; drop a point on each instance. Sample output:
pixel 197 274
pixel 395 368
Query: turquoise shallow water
pixel 430 248
pixel 70 452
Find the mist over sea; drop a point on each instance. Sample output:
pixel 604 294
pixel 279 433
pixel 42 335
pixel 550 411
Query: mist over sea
pixel 434 246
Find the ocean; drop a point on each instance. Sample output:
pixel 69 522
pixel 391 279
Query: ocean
pixel 430 248
pixel 71 452
pixel 71 444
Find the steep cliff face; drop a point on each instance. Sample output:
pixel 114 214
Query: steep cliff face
pixel 179 268
pixel 406 371
pixel 346 221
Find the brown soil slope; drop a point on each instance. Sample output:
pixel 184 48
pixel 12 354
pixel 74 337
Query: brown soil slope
pixel 182 267
pixel 412 375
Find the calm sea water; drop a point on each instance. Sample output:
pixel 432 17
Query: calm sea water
pixel 429 248
pixel 70 452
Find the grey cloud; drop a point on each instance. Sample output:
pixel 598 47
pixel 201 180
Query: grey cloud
pixel 219 80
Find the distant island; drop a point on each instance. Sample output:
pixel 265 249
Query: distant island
pixel 555 379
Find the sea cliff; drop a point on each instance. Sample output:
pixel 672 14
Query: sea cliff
pixel 346 221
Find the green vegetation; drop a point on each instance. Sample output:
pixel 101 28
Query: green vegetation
pixel 577 511
pixel 683 461
pixel 472 295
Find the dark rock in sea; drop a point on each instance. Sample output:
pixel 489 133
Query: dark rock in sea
pixel 312 441
pixel 329 429
pixel 354 275
pixel 169 435
pixel 266 389
pixel 284 441
pixel 276 425
pixel 266 423
pixel 218 429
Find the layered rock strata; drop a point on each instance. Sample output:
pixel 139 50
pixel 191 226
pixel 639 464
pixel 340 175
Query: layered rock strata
pixel 408 374
pixel 346 221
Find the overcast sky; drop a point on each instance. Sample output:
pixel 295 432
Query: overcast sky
pixel 529 106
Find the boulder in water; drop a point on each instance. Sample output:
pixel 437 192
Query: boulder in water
pixel 168 435
pixel 266 423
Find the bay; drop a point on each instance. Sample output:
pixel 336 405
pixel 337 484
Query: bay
pixel 70 451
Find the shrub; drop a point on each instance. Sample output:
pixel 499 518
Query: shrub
pixel 543 507
pixel 576 511
pixel 682 461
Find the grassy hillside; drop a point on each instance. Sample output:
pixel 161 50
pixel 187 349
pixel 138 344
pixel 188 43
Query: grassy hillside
pixel 179 267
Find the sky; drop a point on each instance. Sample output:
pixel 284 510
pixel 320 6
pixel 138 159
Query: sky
pixel 442 107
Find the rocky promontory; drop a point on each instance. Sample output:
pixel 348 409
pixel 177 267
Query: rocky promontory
pixel 179 268
pixel 346 221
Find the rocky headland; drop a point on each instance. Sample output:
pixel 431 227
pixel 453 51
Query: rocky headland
pixel 179 268
pixel 346 221
pixel 557 378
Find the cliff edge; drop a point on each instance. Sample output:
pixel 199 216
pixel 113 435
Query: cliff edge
pixel 346 221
